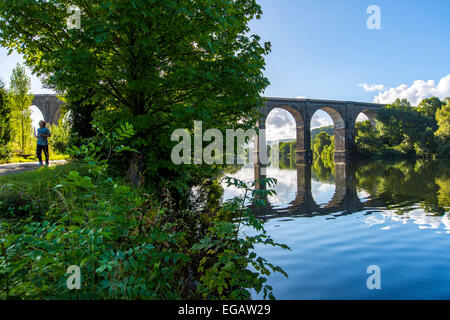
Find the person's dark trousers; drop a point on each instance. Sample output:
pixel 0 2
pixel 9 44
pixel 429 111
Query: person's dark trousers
pixel 39 150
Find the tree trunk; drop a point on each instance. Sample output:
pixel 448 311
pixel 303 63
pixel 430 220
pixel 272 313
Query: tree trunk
pixel 135 172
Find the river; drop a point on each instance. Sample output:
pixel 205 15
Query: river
pixel 341 218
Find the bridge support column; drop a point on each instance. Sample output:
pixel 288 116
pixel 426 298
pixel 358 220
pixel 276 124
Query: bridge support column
pixel 303 153
pixel 260 154
pixel 304 190
pixel 345 145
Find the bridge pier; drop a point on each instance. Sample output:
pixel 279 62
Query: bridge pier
pixel 345 144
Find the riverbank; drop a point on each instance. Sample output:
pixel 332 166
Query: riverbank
pixel 127 244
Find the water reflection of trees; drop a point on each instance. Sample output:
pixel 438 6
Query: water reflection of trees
pixel 322 168
pixel 400 185
pixel 406 183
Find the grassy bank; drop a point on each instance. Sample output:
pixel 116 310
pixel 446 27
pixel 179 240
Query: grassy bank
pixel 128 244
pixel 21 159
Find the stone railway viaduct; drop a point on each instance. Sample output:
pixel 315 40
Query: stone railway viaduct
pixel 343 113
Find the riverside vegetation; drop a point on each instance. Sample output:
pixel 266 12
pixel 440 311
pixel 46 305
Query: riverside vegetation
pixel 129 244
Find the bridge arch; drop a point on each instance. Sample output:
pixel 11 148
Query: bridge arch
pixel 298 120
pixel 50 106
pixel 368 115
pixel 339 124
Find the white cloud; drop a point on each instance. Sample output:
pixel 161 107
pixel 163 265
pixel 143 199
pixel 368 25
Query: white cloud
pixel 280 124
pixel 321 119
pixel 415 93
pixel 372 87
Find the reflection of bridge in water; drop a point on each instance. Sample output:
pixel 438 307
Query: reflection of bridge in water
pixel 345 199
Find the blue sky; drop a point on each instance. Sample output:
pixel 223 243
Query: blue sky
pixel 323 49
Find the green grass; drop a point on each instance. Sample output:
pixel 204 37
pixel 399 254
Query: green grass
pixel 32 189
pixel 40 177
pixel 21 159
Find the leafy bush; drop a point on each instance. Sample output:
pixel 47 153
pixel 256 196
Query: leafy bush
pixel 128 244
pixel 405 131
pixel 60 135
pixel 5 125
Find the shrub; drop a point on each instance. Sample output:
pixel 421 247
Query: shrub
pixel 130 245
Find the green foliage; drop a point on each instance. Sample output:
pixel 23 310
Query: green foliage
pixel 129 245
pixel 443 120
pixel 323 146
pixel 428 107
pixel 228 276
pixel 367 141
pixel 19 100
pixel 31 192
pixel 326 129
pixel 404 131
pixel 80 120
pixel 5 125
pixel 61 135
pixel 161 64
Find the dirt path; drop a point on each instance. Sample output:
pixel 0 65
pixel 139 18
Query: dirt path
pixel 11 168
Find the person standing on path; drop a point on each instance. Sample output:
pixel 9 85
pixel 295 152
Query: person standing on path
pixel 42 144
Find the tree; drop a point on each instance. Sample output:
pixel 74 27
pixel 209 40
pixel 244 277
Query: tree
pixel 5 124
pixel 159 65
pixel 20 101
pixel 61 133
pixel 429 107
pixel 408 130
pixel 443 120
pixel 321 141
pixel 285 150
pixel 80 120
pixel 367 140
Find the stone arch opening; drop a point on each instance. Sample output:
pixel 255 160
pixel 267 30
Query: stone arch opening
pixel 367 115
pixel 297 128
pixel 282 125
pixel 339 126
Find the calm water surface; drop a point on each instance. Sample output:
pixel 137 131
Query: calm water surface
pixel 339 219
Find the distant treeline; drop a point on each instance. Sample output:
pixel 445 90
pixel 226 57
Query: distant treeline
pixel 328 130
